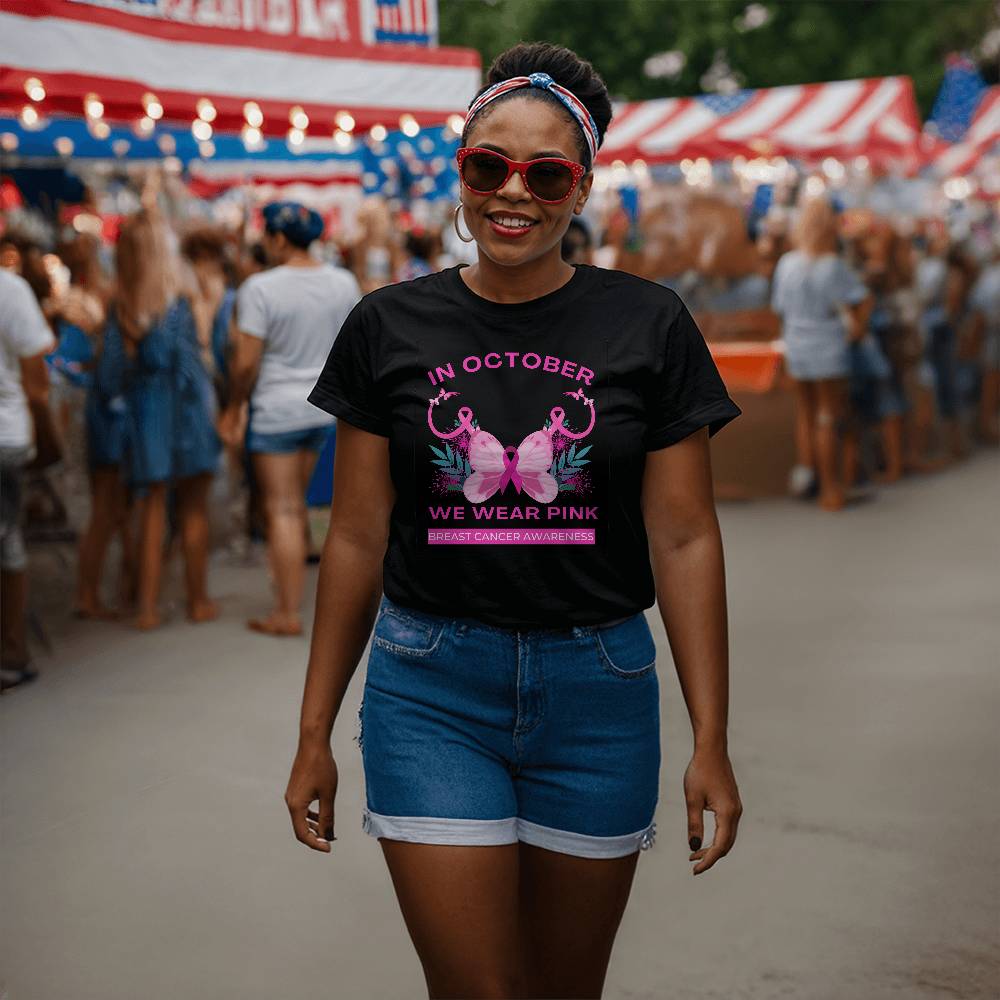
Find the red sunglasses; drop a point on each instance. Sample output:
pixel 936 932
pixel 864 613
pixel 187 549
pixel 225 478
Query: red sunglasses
pixel 549 178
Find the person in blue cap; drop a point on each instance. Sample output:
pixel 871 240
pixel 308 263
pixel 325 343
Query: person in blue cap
pixel 286 318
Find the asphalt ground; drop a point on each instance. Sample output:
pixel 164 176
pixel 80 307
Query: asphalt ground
pixel 145 850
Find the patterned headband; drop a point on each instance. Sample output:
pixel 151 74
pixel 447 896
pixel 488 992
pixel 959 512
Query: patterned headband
pixel 544 82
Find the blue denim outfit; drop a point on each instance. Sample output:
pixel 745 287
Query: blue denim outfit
pixel 169 399
pixel 105 408
pixel 477 735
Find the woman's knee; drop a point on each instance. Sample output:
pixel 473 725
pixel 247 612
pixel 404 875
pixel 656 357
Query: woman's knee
pixel 285 505
pixel 500 985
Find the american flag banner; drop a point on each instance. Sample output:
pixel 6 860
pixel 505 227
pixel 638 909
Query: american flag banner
pixel 876 117
pixel 981 137
pixel 271 65
pixel 957 99
pixel 412 22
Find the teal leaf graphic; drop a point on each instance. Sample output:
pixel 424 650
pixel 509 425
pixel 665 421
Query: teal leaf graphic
pixel 583 451
pixel 572 451
pixel 438 452
pixel 452 462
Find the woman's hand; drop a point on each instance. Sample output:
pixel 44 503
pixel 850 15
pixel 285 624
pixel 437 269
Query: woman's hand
pixel 232 425
pixel 709 784
pixel 82 309
pixel 314 776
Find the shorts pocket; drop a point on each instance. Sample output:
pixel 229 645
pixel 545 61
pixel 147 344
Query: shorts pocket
pixel 627 649
pixel 407 635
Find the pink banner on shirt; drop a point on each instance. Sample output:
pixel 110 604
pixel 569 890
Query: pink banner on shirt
pixel 510 536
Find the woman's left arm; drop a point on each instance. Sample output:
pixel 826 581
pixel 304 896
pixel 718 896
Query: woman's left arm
pixel 686 551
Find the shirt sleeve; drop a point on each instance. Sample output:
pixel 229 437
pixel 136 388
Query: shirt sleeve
pixel 26 330
pixel 348 386
pixel 688 391
pixel 251 311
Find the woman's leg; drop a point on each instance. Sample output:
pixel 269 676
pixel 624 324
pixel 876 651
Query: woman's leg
pixel 891 429
pixel 279 477
pixel 851 453
pixel 805 398
pixel 152 528
pixel 307 464
pixel 923 423
pixel 192 498
pixel 460 906
pixel 570 910
pixel 831 404
pixel 128 584
pixel 511 921
pixel 105 512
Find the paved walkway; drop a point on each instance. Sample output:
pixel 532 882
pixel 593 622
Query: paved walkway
pixel 145 850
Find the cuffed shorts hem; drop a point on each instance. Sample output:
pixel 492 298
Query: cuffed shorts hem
pixel 495 832
pixel 288 442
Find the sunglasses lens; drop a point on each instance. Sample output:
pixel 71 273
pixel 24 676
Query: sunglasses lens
pixel 550 181
pixel 483 171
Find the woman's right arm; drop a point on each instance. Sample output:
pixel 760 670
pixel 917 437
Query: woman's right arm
pixel 347 601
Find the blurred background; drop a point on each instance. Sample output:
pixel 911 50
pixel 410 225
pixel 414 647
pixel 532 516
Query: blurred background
pixel 144 848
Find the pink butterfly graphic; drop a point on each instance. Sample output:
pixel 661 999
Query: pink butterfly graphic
pixel 525 467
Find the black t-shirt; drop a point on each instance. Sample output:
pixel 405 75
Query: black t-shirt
pixel 518 436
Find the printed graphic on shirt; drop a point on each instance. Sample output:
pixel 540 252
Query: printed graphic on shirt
pixel 533 481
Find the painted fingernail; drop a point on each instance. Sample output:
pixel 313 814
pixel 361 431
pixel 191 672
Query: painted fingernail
pixel 694 843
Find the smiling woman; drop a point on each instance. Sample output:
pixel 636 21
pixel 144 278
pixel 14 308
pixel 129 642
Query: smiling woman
pixel 511 706
pixel 528 146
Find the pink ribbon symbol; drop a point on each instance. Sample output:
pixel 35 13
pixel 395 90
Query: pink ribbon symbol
pixel 558 415
pixel 510 473
pixel 464 417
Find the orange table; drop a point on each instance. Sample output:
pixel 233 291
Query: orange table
pixel 753 454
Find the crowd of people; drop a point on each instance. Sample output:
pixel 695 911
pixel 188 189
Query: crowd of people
pixel 894 337
pixel 889 325
pixel 189 363
pixel 191 359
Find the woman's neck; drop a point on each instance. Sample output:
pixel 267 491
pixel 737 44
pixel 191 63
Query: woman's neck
pixel 301 258
pixel 520 283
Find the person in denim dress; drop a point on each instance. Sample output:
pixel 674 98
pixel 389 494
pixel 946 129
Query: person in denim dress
pixel 510 717
pixel 170 413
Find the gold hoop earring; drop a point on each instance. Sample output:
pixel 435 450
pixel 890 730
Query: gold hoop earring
pixel 458 208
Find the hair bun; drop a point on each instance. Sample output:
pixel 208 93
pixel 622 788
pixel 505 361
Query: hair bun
pixel 565 67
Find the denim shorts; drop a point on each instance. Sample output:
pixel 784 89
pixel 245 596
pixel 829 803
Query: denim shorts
pixel 288 442
pixel 476 735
